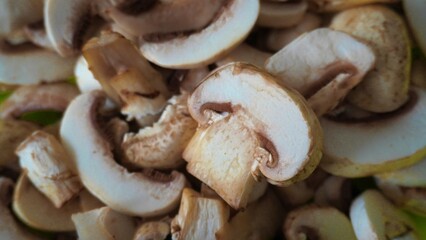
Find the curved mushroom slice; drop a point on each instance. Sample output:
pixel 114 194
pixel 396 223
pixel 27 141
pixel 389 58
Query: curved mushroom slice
pixel 369 147
pixel 276 39
pixel 86 82
pixel 261 220
pixel 27 64
pixel 374 217
pixel 55 96
pixel 339 5
pixel 314 222
pixel 281 14
pixel 336 192
pixel 36 33
pixel 213 42
pixel 323 65
pixel 9 228
pixel 411 176
pixel 132 7
pixel 386 87
pixel 168 17
pixel 45 159
pixel 15 14
pixel 246 137
pixel 121 190
pixel 246 53
pixel 199 217
pixel 414 10
pixel 37 211
pixel 103 223
pixel 161 146
pixel 157 230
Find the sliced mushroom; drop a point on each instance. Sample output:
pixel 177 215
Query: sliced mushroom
pixel 27 64
pixel 199 217
pixel 193 78
pixel 44 158
pixel 386 87
pixel 156 230
pixel 376 145
pixel 418 72
pixel 54 96
pixel 323 65
pixel 15 14
pixel 213 42
pixel 86 82
pixel 36 33
pixel 314 222
pixel 336 192
pixel 411 176
pixel 121 190
pixel 161 146
pixel 281 14
pixel 245 137
pixel 246 53
pixel 339 5
pixel 103 223
pixel 88 201
pixel 414 10
pixel 38 212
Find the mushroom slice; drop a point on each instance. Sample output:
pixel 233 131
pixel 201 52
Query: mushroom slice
pixel 323 65
pixel 15 14
pixel 411 176
pixel 103 223
pixel 9 228
pixel 168 17
pixel 246 138
pixel 199 217
pixel 276 39
pixel 418 72
pixel 88 201
pixel 414 10
pixel 36 33
pixel 27 64
pixel 314 222
pixel 45 159
pixel 339 5
pixel 161 146
pixel 246 53
pixel 261 220
pixel 55 96
pixel 37 211
pixel 386 87
pixel 374 217
pixel 121 190
pixel 281 14
pixel 374 146
pixel 157 230
pixel 192 78
pixel 336 192
pixel 86 82
pixel 213 42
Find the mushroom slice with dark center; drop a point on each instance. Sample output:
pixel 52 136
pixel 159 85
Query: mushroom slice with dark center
pixel 374 146
pixel 27 64
pixel 339 5
pixel 161 145
pixel 121 190
pixel 314 222
pixel 209 44
pixel 154 230
pixel 168 17
pixel 323 65
pixel 55 96
pixel 246 53
pixel 246 139
pixel 281 14
pixel 15 14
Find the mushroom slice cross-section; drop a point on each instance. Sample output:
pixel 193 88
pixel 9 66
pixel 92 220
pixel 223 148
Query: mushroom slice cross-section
pixel 323 65
pixel 216 40
pixel 141 194
pixel 263 129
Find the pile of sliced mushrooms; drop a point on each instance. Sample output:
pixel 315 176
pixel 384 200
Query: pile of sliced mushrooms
pixel 213 119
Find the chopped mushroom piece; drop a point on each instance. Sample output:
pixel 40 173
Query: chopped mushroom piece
pixel 338 5
pixel 157 230
pixel 121 190
pixel 323 65
pixel 239 139
pixel 192 78
pixel 411 176
pixel 15 14
pixel 86 82
pixel 103 223
pixel 36 33
pixel 44 158
pixel 281 14
pixel 199 217
pixel 246 53
pixel 336 192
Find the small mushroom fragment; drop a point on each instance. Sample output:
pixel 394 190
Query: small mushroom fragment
pixel 156 230
pixel 161 146
pixel 37 211
pixel 281 14
pixel 216 40
pixel 336 192
pixel 36 33
pixel 315 222
pixel 276 39
pixel 261 220
pixel 45 159
pixel 414 12
pixel 16 37
pixel 246 53
pixel 192 78
pixel 199 217
pixel 386 87
pixel 27 64
pixel 237 107
pixel 9 228
pixel 54 96
pixel 15 14
pixel 374 217
pixel 103 223
pixel 86 82
pixel 121 190
pixel 323 65
pixel 373 146
pixel 339 5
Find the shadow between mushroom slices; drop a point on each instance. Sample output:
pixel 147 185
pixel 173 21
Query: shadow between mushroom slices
pixel 250 127
pixel 138 194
